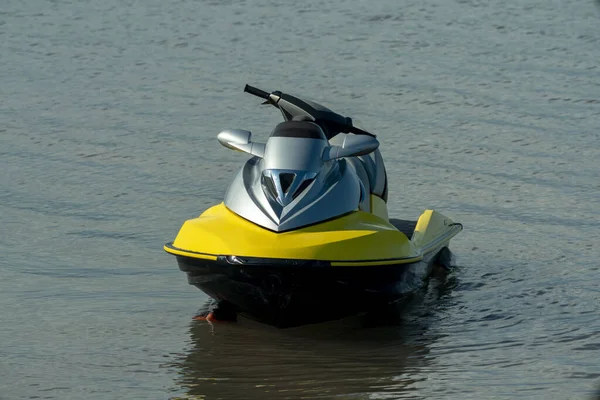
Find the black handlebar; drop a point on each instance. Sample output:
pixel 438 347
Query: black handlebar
pixel 291 106
pixel 256 91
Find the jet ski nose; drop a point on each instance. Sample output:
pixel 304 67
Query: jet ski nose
pixel 284 186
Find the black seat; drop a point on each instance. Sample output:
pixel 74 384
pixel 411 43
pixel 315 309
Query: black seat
pixel 298 129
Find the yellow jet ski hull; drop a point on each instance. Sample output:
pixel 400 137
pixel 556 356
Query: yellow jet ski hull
pixel 316 273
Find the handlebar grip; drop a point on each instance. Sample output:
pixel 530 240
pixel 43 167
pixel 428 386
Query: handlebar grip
pixel 256 91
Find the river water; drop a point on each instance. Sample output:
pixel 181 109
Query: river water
pixel 487 111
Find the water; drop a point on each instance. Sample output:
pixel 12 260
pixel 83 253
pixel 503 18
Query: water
pixel 489 112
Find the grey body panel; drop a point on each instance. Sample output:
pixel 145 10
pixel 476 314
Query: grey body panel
pixel 294 154
pixel 296 184
pixel 374 167
pixel 335 192
pixel 363 178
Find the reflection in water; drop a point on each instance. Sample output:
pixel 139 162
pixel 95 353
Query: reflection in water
pixel 597 395
pixel 381 354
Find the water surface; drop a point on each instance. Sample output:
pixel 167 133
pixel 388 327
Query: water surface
pixel 488 112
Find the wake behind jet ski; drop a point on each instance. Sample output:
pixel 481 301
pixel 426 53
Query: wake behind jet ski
pixel 303 235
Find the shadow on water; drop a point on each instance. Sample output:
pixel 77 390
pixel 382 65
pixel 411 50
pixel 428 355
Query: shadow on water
pixel 381 353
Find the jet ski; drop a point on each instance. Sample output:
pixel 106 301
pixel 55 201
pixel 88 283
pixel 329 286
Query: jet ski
pixel 303 234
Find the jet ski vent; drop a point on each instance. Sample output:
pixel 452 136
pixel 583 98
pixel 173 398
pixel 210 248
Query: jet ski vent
pixel 286 180
pixel 283 186
pixel 267 182
pixel 306 183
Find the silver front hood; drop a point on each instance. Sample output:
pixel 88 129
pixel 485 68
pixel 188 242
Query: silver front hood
pixel 292 187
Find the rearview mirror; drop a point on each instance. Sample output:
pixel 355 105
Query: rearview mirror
pixel 239 139
pixel 354 145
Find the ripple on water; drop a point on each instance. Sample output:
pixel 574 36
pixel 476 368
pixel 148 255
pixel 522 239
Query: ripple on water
pixel 486 111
